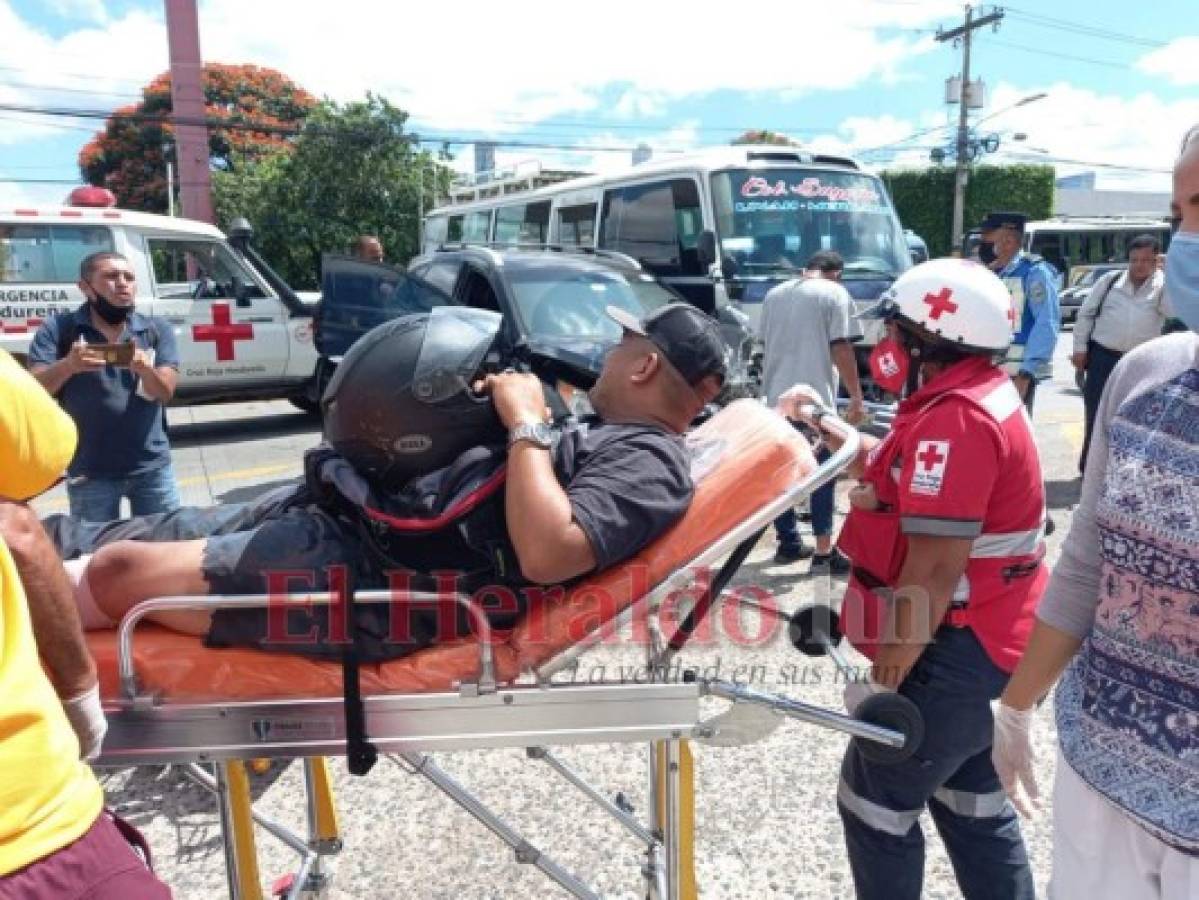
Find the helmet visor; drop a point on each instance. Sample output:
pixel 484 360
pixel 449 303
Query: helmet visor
pixel 456 342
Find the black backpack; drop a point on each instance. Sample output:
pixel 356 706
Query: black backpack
pixel 450 520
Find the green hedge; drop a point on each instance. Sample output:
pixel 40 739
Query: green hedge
pixel 924 198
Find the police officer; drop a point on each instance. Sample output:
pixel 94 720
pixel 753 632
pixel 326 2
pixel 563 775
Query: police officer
pixel 1032 283
pixel 944 534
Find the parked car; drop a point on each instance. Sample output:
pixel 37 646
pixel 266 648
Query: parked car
pixel 554 302
pixel 917 248
pixel 1082 279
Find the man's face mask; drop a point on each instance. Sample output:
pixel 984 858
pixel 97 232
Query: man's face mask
pixel 986 252
pixel 1182 277
pixel 889 364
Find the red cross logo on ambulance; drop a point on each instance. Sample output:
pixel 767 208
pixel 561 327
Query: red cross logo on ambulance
pixel 223 332
pixel 931 459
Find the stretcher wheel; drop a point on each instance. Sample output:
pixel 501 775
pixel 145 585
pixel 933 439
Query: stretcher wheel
pixel 890 710
pixel 813 628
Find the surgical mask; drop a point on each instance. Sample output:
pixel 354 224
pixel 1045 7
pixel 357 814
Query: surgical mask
pixel 1182 277
pixel 109 311
pixel 986 252
pixel 889 364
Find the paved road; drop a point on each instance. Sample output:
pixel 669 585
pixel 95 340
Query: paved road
pixel 766 823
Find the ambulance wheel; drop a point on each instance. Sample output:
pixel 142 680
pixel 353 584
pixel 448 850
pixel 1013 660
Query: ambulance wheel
pixel 813 628
pixel 890 710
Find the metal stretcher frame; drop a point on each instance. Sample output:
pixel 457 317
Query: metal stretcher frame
pixel 533 714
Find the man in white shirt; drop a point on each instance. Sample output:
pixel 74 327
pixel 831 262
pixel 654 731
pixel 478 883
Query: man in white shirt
pixel 1123 310
pixel 807 331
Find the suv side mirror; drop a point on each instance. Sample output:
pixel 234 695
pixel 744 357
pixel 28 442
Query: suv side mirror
pixel 242 291
pixel 705 248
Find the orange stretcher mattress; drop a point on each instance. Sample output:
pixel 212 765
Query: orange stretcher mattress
pixel 746 457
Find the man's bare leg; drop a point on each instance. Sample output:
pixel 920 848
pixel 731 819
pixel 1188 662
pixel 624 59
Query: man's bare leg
pixel 123 574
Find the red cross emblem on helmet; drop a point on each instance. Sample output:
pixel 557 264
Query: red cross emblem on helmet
pixel 939 303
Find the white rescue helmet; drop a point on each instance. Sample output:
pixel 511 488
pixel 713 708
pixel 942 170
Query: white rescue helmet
pixel 957 301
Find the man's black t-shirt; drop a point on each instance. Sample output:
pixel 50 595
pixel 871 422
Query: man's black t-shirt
pixel 626 483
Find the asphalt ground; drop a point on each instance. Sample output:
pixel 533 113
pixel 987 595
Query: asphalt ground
pixel 766 819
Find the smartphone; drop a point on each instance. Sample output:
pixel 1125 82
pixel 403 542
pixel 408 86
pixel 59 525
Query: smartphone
pixel 115 354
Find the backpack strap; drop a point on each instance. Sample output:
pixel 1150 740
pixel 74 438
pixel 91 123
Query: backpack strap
pixel 1107 289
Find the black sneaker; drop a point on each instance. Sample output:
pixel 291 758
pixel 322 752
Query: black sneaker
pixel 789 554
pixel 834 563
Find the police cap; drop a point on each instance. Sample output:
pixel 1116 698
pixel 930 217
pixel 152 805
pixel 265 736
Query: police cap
pixel 1003 219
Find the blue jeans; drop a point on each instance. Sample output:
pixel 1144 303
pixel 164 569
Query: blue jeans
pixel 950 774
pixel 821 502
pixel 99 499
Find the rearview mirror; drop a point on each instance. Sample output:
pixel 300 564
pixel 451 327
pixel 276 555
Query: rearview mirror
pixel 242 291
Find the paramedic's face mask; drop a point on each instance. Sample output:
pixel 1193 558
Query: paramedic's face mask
pixel 889 364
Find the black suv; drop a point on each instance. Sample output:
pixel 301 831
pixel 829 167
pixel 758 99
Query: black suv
pixel 553 302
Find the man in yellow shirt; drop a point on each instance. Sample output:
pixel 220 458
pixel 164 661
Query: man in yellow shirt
pixel 56 840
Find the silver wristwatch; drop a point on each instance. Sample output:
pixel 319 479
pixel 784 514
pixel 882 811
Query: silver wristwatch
pixel 538 433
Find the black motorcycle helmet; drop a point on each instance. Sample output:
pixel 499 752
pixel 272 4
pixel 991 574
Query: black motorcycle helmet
pixel 401 403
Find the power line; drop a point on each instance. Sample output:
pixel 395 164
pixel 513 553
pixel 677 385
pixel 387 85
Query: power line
pixel 1066 25
pixel 1107 63
pixel 293 130
pixel 66 90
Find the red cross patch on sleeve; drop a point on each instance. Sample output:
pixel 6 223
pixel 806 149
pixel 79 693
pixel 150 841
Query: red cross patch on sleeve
pixel 929 473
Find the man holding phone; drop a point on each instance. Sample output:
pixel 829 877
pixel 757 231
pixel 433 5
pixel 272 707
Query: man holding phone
pixel 112 369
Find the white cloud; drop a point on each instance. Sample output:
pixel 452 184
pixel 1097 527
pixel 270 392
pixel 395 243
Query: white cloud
pixel 1071 123
pixel 1177 62
pixel 90 68
pixel 86 10
pixel 498 69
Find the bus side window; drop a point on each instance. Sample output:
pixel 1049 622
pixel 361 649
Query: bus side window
pixel 477 228
pixel 576 225
pixel 657 224
pixel 435 233
pixel 454 230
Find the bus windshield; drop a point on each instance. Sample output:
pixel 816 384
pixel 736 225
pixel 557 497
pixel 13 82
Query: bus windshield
pixel 770 221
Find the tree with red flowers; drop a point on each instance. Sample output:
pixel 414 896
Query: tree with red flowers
pixel 252 113
pixel 762 136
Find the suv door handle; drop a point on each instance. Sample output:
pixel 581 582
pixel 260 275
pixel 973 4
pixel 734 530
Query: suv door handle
pixel 262 320
pixel 177 320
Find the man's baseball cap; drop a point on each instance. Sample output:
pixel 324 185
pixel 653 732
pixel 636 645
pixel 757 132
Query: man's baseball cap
pixel 1003 219
pixel 687 338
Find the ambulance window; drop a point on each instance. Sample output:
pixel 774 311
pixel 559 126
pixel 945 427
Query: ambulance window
pixel 33 254
pixel 576 225
pixel 199 270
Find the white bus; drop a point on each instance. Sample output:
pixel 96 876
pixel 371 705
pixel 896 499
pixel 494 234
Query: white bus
pixel 1066 241
pixel 721 225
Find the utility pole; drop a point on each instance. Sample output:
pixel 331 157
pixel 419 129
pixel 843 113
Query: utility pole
pixel 962 170
pixel 187 105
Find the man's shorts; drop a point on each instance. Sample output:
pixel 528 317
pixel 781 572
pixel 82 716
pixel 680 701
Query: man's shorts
pixel 101 865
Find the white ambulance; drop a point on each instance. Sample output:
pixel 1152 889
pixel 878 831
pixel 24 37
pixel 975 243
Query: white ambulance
pixel 243 334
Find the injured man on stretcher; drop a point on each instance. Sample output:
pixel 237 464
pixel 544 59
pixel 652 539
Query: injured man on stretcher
pixel 431 466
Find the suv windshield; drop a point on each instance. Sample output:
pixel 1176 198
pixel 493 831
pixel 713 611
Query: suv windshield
pixel 557 302
pixel 770 221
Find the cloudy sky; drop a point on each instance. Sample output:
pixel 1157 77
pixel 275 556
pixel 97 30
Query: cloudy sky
pixel 587 82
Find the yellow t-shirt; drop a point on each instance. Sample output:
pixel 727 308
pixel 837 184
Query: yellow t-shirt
pixel 48 796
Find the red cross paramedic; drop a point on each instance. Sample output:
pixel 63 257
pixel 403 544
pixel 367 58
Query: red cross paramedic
pixel 945 534
pixel 223 332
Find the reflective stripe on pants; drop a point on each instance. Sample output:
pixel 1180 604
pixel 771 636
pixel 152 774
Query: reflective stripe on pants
pixel 950 775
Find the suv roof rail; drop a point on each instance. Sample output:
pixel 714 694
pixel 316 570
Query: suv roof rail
pixel 496 246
